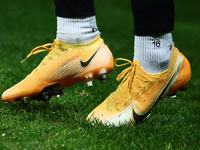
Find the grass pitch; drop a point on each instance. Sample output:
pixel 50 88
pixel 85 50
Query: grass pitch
pixel 173 123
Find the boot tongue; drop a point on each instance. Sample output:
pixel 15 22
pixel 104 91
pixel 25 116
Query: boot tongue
pixel 136 62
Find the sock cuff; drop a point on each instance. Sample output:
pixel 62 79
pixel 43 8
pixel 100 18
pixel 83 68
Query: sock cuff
pixel 77 30
pixel 153 49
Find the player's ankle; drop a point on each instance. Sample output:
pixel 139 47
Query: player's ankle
pixel 153 52
pixel 77 30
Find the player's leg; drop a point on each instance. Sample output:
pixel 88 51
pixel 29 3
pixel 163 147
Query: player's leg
pixel 76 21
pixel 78 54
pixel 153 23
pixel 158 69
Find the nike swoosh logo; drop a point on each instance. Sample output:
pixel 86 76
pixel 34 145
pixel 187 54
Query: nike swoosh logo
pixel 137 117
pixel 86 63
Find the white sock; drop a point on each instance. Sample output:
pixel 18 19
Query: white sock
pixel 154 54
pixel 77 30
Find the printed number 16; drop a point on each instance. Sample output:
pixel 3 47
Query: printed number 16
pixel 156 43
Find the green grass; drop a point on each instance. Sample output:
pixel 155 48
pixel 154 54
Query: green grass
pixel 173 123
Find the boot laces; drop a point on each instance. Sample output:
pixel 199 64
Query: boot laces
pixel 39 49
pixel 130 75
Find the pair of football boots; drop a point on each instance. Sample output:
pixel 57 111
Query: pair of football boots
pixel 67 64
